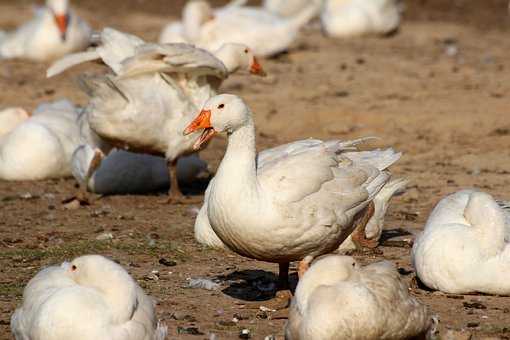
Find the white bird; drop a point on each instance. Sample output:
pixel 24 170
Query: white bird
pixel 337 299
pixel 54 31
pixel 464 247
pixel 10 118
pixel 348 18
pixel 303 200
pixel 122 172
pixel 91 297
pixel 156 93
pixel 265 33
pixel 41 147
pixel 287 8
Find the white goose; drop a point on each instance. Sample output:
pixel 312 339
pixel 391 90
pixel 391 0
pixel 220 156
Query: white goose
pixel 54 31
pixel 463 247
pixel 90 298
pixel 301 202
pixel 347 18
pixel 41 146
pixel 265 33
pixel 337 299
pixel 10 118
pixel 123 172
pixel 157 91
pixel 287 8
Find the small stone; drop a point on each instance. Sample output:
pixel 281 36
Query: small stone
pixel 168 263
pixel 245 334
pixel 270 337
pixel 104 237
pixel 189 330
pixel 473 324
pixel 73 205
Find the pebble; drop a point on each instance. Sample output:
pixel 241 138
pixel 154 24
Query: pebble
pixel 245 334
pixel 104 237
pixel 168 263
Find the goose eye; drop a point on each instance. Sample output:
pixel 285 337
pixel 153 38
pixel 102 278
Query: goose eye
pixel 73 268
pixel 353 264
pixel 246 51
pixel 221 106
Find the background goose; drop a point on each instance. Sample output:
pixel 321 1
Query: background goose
pixel 287 8
pixel 300 203
pixel 41 146
pixel 265 33
pixel 10 118
pixel 54 31
pixel 157 91
pixel 90 298
pixel 346 18
pixel 337 299
pixel 463 247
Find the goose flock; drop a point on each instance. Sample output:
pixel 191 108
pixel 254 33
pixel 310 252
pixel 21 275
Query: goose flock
pixel 155 105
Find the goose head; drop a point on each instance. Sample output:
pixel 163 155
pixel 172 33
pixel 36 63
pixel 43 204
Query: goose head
pixel 239 57
pixel 195 14
pixel 325 272
pixel 60 11
pixel 224 113
pixel 111 280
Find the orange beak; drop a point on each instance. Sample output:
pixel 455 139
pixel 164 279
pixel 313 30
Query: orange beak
pixel 256 68
pixel 62 22
pixel 203 121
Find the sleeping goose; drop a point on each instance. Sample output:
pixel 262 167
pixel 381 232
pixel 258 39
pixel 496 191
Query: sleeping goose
pixel 348 18
pixel 265 33
pixel 156 92
pixel 91 297
pixel 300 202
pixel 464 247
pixel 337 299
pixel 42 145
pixel 54 31
pixel 10 118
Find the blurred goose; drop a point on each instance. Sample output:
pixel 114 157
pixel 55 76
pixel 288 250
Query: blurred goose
pixel 463 247
pixel 337 299
pixel 41 146
pixel 54 31
pixel 265 33
pixel 10 118
pixel 347 18
pixel 91 297
pixel 123 172
pixel 302 201
pixel 287 8
pixel 156 93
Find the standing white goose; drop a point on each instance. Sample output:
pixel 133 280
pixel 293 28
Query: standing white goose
pixel 298 205
pixel 347 18
pixel 54 31
pixel 157 91
pixel 265 33
pixel 463 247
pixel 41 146
pixel 90 298
pixel 10 118
pixel 337 299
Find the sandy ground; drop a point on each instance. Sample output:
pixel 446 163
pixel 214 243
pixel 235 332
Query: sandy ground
pixel 447 112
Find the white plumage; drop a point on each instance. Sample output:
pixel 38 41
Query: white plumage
pixel 54 31
pixel 10 118
pixel 337 299
pixel 90 298
pixel 463 247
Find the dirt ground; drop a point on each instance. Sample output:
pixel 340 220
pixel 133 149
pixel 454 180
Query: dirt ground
pixel 437 91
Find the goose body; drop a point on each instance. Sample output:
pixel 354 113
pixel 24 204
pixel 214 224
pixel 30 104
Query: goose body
pixel 337 299
pixel 265 33
pixel 347 18
pixel 54 32
pixel 10 118
pixel 300 201
pixel 90 298
pixel 464 247
pixel 41 146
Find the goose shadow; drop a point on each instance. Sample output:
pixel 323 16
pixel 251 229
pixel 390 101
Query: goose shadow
pixel 253 285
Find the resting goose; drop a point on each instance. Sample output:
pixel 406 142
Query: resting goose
pixel 337 299
pixel 287 8
pixel 265 33
pixel 91 297
pixel 302 201
pixel 156 92
pixel 464 247
pixel 54 31
pixel 348 18
pixel 10 118
pixel 41 146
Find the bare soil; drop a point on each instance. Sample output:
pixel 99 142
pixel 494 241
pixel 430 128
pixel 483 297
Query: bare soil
pixel 437 91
